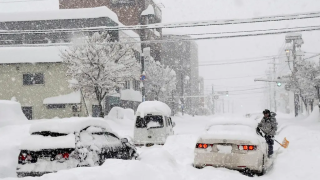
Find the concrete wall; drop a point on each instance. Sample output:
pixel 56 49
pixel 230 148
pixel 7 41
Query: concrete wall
pixel 55 84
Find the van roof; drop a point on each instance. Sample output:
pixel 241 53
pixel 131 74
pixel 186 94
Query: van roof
pixel 154 108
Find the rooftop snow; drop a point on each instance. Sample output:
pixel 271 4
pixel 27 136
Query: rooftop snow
pixel 38 142
pixel 149 107
pixel 72 98
pixel 82 13
pixel 131 95
pixel 10 55
pixel 68 125
pixel 148 11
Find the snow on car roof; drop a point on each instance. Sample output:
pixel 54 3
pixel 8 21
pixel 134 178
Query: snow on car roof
pixel 68 125
pixel 38 142
pixel 150 107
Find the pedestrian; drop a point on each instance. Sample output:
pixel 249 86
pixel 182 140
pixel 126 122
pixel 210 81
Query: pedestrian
pixel 268 126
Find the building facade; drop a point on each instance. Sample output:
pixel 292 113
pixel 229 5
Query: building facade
pixel 130 12
pixel 182 56
pixel 32 71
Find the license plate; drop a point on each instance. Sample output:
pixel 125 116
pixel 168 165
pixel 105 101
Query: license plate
pixel 224 149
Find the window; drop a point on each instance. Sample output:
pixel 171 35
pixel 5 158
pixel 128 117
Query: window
pixel 76 108
pixel 127 85
pixel 136 85
pixel 56 106
pixel 33 78
pixel 143 122
pixel 27 111
pixel 123 1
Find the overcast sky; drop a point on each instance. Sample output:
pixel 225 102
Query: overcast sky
pixel 224 50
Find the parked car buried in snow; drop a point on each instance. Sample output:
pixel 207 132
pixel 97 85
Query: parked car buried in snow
pixel 153 124
pixel 68 143
pixel 234 146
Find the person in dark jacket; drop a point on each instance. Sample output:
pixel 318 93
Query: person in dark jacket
pixel 268 126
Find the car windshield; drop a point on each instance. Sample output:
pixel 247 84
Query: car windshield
pixel 149 122
pixel 48 133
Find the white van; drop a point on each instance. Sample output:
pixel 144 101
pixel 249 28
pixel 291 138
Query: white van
pixel 153 124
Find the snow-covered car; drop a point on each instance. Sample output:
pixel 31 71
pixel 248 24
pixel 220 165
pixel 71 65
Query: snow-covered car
pixel 153 123
pixel 232 145
pixel 68 143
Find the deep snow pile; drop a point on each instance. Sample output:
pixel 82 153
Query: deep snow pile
pixel 11 111
pixel 121 113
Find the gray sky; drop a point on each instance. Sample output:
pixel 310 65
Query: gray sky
pixel 227 49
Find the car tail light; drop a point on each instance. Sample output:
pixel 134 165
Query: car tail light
pixel 202 146
pixel 62 156
pixel 65 155
pixel 23 156
pixel 247 147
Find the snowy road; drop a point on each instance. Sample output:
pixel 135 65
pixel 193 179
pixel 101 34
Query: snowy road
pixel 174 159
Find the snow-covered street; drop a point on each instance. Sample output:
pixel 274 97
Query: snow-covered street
pixel 174 159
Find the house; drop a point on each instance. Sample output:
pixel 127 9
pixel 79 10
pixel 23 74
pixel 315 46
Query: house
pixel 130 12
pixel 32 71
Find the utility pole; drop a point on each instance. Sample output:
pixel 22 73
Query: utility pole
pixel 274 86
pixel 212 100
pixel 182 99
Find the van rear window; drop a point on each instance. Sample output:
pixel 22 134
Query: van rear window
pixel 143 122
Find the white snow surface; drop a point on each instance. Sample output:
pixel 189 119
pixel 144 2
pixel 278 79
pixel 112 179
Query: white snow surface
pixel 131 95
pixel 150 107
pixel 68 125
pixel 148 11
pixel 82 13
pixel 116 113
pixel 72 98
pixel 11 111
pixel 30 54
pixel 173 161
pixel 38 142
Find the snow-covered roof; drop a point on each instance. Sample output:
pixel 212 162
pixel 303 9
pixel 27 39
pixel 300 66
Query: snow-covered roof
pixel 131 95
pixel 72 98
pixel 38 142
pixel 68 125
pixel 148 11
pixel 82 13
pixel 10 55
pixel 11 111
pixel 150 107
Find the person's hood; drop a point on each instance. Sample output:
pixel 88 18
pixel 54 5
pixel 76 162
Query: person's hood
pixel 273 114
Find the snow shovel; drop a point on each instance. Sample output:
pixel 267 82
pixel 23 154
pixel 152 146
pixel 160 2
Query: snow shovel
pixel 285 142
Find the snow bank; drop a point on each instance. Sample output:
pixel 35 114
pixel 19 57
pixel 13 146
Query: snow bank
pixel 11 138
pixel 116 113
pixel 82 13
pixel 131 95
pixel 149 107
pixel 148 11
pixel 30 54
pixel 314 116
pixel 38 142
pixel 11 111
pixel 68 125
pixel 129 114
pixel 72 98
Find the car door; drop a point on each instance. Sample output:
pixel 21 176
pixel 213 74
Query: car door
pixel 171 126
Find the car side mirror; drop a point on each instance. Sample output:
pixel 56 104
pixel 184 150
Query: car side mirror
pixel 124 140
pixel 173 124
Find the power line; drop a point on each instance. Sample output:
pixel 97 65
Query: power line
pixel 270 57
pixel 21 1
pixel 216 64
pixel 233 77
pixel 247 89
pixel 214 22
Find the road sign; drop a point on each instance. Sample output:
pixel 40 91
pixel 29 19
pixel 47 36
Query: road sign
pixel 143 77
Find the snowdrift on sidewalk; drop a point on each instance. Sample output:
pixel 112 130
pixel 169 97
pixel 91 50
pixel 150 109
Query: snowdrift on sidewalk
pixel 11 111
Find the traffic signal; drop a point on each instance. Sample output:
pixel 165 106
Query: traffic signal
pixel 279 84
